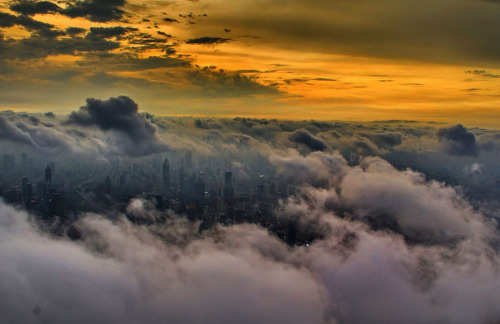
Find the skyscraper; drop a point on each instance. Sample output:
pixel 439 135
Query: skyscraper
pixel 228 184
pixel 48 174
pixel 24 188
pixel 166 177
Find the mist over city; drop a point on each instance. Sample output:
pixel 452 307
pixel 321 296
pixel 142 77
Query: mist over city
pixel 114 215
pixel 216 161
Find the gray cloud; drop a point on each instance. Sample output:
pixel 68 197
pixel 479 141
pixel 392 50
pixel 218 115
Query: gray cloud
pixel 138 276
pixel 28 7
pixel 388 244
pixel 207 40
pixel 121 116
pixel 95 10
pixel 170 20
pixel 483 73
pixel 48 42
pixel 317 169
pixel 458 140
pixel 39 138
pixel 394 29
pixel 75 31
pixel 307 139
pixel 8 20
pixel 107 32
pixel 351 274
pixel 220 83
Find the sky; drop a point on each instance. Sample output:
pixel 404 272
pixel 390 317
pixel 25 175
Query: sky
pixel 378 118
pixel 331 60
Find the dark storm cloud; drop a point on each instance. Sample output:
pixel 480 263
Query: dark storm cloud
pixel 380 28
pixel 115 113
pixel 484 74
pixel 307 139
pixel 72 31
pixel 131 62
pixel 207 40
pixel 28 7
pixel 95 10
pixel 8 20
pixel 107 32
pixel 324 79
pixel 34 120
pixel 170 20
pixel 120 115
pixel 221 83
pixel 458 140
pixel 47 42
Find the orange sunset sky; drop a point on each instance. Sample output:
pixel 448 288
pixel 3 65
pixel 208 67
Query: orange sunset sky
pixel 327 59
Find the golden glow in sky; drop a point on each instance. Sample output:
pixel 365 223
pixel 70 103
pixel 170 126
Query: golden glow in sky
pixel 338 60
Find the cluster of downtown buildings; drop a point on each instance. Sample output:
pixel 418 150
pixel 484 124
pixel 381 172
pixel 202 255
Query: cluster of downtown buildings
pixel 205 192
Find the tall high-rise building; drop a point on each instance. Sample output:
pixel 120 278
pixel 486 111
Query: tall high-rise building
pixel 199 191
pixel 48 174
pixel 228 186
pixel 166 177
pixel 24 188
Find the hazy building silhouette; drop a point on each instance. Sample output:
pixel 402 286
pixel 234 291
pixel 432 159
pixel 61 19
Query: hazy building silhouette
pixel 228 182
pixel 199 191
pixel 107 185
pixel 228 186
pixel 48 174
pixel 27 189
pixel 166 177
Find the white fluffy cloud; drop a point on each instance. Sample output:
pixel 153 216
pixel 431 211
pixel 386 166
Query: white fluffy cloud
pixel 121 273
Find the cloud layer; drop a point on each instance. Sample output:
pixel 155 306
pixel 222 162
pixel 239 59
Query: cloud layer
pixel 135 134
pixel 354 272
pixel 399 228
